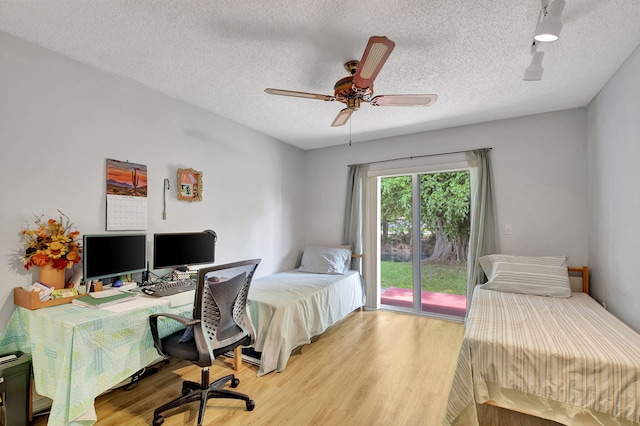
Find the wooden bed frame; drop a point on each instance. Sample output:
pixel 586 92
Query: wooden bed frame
pixel 581 272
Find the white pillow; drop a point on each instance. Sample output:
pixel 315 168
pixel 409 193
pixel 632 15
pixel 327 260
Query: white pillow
pixel 325 260
pixel 347 263
pixel 541 276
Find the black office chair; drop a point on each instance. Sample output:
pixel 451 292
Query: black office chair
pixel 220 324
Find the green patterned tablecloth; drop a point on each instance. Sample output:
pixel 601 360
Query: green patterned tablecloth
pixel 78 353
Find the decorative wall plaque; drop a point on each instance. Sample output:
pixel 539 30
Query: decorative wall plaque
pixel 189 185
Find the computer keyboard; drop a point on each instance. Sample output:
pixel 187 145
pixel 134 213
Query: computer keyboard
pixel 167 288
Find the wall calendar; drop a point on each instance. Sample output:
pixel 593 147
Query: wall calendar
pixel 127 208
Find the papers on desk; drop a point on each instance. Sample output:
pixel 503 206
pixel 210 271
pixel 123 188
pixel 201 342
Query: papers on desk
pixel 44 291
pixel 107 298
pixel 140 302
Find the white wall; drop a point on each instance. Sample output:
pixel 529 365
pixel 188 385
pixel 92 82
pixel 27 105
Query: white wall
pixel 614 176
pixel 60 121
pixel 539 165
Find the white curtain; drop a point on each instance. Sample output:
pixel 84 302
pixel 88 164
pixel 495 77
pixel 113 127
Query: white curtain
pixel 482 238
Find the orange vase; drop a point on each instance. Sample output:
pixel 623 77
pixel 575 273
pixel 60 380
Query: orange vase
pixel 52 277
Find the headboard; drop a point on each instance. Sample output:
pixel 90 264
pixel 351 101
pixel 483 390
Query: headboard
pixel 579 279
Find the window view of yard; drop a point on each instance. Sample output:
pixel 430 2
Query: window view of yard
pixel 444 229
pixel 450 279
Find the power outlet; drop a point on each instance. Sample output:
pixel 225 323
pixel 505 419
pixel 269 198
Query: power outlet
pixel 507 229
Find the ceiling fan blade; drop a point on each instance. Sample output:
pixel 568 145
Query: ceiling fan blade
pixel 295 94
pixel 404 100
pixel 342 117
pixel 375 55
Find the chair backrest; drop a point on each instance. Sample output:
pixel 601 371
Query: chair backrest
pixel 220 305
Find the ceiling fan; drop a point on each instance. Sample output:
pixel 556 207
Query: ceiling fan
pixel 358 87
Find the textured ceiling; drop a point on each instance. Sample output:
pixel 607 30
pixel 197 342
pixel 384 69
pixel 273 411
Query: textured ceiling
pixel 221 55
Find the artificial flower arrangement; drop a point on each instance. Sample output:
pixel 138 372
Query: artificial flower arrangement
pixel 52 241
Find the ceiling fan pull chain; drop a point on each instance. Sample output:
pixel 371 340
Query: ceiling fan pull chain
pixel 349 132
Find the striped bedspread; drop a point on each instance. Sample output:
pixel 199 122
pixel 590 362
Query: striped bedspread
pixel 565 359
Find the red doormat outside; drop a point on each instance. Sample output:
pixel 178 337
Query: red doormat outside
pixel 439 303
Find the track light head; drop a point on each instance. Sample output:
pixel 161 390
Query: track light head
pixel 549 28
pixel 534 71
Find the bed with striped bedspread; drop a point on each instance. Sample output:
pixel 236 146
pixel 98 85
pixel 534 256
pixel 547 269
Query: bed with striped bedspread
pixel 567 360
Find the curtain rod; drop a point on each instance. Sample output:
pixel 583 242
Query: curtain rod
pixel 419 156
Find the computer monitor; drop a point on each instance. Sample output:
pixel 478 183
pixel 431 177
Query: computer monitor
pixel 183 249
pixel 110 255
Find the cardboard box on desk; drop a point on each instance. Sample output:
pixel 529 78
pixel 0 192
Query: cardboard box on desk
pixel 31 300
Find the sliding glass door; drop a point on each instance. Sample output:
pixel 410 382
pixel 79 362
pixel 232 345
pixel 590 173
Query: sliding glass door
pixel 424 236
pixel 396 238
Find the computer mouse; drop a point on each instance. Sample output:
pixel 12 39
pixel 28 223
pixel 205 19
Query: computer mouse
pixel 117 283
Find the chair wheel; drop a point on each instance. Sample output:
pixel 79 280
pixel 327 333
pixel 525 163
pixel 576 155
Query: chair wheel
pixel 157 421
pixel 235 382
pixel 251 404
pixel 186 390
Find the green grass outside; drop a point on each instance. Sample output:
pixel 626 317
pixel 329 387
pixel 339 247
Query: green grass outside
pixel 450 279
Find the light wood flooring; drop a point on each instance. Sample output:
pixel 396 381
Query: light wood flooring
pixel 372 368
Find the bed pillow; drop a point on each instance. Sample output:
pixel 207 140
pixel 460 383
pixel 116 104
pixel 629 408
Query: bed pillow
pixel 325 260
pixel 347 263
pixel 541 276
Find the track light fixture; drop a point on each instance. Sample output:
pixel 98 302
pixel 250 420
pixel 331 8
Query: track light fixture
pixel 548 29
pixel 550 26
pixel 534 71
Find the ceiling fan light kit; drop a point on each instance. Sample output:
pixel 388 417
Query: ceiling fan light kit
pixel 547 30
pixel 358 86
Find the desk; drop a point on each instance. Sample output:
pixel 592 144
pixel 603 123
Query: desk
pixel 78 353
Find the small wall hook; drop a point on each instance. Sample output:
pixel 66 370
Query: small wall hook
pixel 164 198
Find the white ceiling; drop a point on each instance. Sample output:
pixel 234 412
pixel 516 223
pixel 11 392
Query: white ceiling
pixel 221 55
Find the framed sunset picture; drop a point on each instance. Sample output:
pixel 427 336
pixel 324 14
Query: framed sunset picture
pixel 124 178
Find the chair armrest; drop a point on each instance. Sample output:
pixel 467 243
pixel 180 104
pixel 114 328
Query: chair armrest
pixel 153 323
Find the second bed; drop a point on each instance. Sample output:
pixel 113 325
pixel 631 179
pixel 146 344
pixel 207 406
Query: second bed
pixel 288 309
